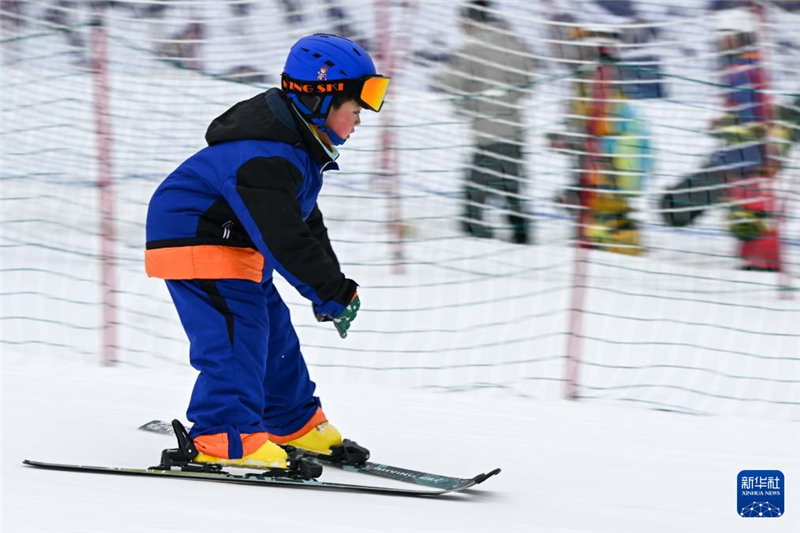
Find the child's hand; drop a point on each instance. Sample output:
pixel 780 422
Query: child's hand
pixel 323 317
pixel 342 320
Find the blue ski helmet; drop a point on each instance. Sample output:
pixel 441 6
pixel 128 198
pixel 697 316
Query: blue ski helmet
pixel 319 66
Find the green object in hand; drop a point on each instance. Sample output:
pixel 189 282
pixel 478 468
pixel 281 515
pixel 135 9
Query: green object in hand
pixel 342 320
pixel 747 225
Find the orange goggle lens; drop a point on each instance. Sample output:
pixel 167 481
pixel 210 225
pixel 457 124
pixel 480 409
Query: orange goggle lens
pixel 374 91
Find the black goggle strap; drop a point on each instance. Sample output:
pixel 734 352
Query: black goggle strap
pixel 313 105
pixel 315 96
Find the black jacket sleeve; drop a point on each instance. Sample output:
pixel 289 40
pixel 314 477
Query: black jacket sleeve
pixel 268 188
pixel 317 226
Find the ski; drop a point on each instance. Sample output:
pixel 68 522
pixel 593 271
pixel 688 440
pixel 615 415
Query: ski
pixel 352 462
pixel 222 476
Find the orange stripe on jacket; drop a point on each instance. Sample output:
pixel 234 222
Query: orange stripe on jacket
pixel 317 419
pixel 216 445
pixel 204 262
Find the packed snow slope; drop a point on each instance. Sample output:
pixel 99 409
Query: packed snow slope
pixel 567 466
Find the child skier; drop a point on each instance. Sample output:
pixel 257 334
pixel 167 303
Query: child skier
pixel 230 215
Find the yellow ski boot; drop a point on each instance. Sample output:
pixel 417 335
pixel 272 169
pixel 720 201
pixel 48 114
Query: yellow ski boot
pixel 321 438
pixel 259 451
pixel 317 435
pixel 611 228
pixel 212 452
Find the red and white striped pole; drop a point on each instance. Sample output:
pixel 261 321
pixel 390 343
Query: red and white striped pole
pixel 389 168
pixel 580 273
pixel 102 115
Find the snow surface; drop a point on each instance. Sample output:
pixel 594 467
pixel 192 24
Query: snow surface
pixel 566 466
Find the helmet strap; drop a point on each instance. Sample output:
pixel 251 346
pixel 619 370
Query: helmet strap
pixel 317 118
pixel 319 123
pixel 324 109
pixel 335 139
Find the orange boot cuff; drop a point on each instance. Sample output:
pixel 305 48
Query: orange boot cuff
pixel 317 419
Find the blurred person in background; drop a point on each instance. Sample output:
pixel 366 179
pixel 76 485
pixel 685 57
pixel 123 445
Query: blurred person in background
pixel 183 46
pixel 489 74
pixel 295 13
pixel 789 117
pixel 753 141
pixel 607 141
pixel 243 29
pixel 12 21
pixel 749 121
pixel 70 17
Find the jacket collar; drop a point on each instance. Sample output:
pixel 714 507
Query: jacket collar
pixel 286 112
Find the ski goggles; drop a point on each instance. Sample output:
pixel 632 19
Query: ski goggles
pixel 369 91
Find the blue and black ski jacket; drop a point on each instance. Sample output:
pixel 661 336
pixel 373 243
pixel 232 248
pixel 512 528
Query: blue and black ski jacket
pixel 247 205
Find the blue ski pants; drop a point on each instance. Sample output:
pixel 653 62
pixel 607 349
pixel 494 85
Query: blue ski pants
pixel 252 375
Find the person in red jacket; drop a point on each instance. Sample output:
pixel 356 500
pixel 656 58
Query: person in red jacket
pixel 749 154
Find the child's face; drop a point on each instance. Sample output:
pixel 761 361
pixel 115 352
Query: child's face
pixel 344 119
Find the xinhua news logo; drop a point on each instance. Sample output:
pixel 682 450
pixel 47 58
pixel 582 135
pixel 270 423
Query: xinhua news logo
pixel 760 493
